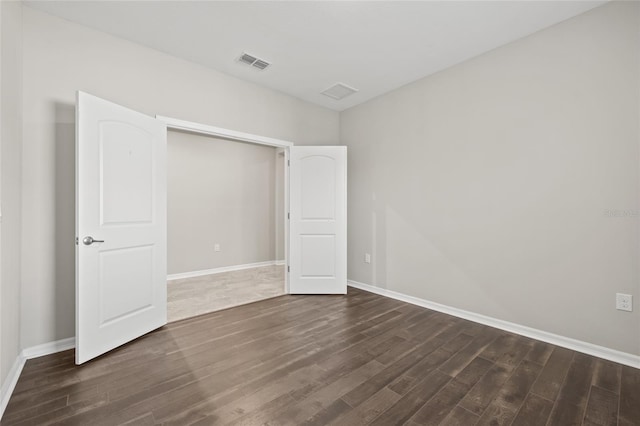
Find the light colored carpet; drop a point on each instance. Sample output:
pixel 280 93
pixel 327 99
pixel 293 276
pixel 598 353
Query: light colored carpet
pixel 189 297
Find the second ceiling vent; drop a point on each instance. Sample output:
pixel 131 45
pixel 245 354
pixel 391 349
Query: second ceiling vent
pixel 339 91
pixel 251 60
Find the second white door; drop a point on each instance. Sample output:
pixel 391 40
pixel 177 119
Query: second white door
pixel 318 224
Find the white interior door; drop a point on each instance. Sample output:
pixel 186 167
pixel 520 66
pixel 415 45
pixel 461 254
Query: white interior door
pixel 318 224
pixel 121 289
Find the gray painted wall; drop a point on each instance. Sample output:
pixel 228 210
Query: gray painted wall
pixel 61 57
pixel 219 192
pixel 10 170
pixel 486 186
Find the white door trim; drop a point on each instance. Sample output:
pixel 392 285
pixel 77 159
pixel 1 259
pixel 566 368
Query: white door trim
pixel 219 132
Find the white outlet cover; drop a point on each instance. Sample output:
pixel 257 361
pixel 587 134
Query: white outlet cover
pixel 624 302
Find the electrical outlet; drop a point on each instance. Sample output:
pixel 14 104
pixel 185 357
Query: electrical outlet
pixel 367 258
pixel 216 247
pixel 624 302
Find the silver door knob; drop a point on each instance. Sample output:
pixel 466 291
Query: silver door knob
pixel 87 241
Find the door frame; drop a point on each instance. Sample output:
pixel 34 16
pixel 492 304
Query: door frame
pixel 219 132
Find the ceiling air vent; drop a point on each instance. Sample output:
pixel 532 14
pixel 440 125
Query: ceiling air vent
pixel 339 91
pixel 260 64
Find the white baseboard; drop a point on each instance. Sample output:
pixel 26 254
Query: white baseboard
pixel 281 262
pixel 49 348
pixel 555 339
pixel 222 269
pixel 11 380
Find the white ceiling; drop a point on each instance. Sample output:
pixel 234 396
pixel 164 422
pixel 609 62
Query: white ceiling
pixel 374 46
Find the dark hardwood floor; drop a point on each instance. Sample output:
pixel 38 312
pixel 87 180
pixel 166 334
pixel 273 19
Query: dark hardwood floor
pixel 317 360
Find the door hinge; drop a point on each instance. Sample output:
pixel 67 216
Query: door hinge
pixel 76 240
pixel 288 162
pixel 288 268
pixel 288 215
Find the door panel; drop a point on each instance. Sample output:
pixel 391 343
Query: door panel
pixel 121 203
pixel 318 228
pixel 126 154
pixel 127 272
pixel 318 256
pixel 318 178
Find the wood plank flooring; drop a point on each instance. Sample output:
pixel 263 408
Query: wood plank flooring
pixel 319 360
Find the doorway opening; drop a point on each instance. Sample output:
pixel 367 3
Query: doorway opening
pixel 225 223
